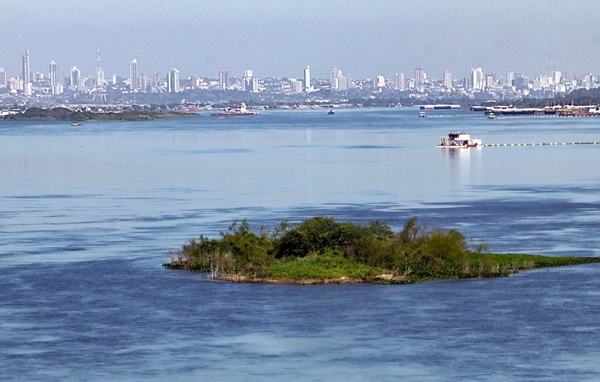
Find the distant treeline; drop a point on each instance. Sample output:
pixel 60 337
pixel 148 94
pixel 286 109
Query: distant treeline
pixel 65 114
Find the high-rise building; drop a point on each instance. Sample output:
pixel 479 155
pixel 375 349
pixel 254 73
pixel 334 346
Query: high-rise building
pixel 143 81
pixel 173 83
pixel 420 78
pixel 477 80
pixel 334 79
pixel 27 86
pixel 521 82
pixel 338 81
pixel 557 77
pixel 307 86
pixel 3 78
pixel 489 81
pixel 295 85
pixel 448 79
pixel 55 82
pixel 133 79
pixel 400 82
pixel 510 78
pixel 248 80
pixel 99 71
pixel 223 80
pixel 74 78
pixel 379 82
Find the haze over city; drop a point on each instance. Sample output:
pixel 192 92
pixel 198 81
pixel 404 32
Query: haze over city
pixel 279 38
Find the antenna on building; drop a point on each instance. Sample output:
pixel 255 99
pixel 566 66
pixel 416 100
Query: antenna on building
pixel 98 60
pixel 99 94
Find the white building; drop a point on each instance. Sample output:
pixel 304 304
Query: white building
pixel 173 83
pixel 448 79
pixel 477 79
pixel 133 80
pixel 307 85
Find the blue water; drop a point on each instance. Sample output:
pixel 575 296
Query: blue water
pixel 88 214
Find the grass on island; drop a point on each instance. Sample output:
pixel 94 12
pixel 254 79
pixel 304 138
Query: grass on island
pixel 322 250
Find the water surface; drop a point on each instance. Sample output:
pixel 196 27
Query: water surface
pixel 89 214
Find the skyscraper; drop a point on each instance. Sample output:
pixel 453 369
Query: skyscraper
pixel 223 80
pixel 27 87
pixel 3 78
pixel 307 87
pixel 248 80
pixel 477 80
pixel 338 81
pixel 173 81
pixel 133 80
pixel 399 82
pixel 448 79
pixel 55 83
pixel 99 71
pixel 74 78
pixel 420 79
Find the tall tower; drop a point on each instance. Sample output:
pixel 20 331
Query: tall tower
pixel 173 81
pixel 399 82
pixel 477 80
pixel 420 79
pixel 55 85
pixel 27 87
pixel 248 80
pixel 133 80
pixel 447 79
pixel 3 78
pixel 99 71
pixel 223 79
pixel 307 87
pixel 74 78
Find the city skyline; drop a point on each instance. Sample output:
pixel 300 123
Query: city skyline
pixel 280 39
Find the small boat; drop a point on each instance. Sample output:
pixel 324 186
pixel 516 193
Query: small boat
pixel 75 123
pixel 491 116
pixel 459 140
pixel 235 110
pixel 421 114
pixel 331 112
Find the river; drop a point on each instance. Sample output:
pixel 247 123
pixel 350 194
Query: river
pixel 88 214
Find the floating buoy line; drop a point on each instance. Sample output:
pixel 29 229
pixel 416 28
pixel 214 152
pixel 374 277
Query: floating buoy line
pixel 539 144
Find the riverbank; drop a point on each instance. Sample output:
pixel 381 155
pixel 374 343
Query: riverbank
pixel 65 114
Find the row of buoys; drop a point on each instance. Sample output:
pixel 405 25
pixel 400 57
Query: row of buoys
pixel 538 144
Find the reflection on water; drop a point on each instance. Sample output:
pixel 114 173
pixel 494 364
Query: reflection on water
pixel 89 215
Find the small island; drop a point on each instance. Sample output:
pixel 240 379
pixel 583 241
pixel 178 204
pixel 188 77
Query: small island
pixel 94 114
pixel 321 250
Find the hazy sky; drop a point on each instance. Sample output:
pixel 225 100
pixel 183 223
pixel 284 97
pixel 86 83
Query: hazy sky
pixel 364 38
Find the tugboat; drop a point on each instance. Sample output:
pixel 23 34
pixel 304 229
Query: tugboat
pixel 235 110
pixel 459 140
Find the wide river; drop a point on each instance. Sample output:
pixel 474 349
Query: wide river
pixel 89 214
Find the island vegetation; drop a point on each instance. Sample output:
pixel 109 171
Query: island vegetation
pixel 321 250
pixel 79 115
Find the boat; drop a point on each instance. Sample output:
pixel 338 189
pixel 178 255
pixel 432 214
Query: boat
pixel 491 116
pixel 331 112
pixel 459 140
pixel 235 110
pixel 421 114
pixel 75 123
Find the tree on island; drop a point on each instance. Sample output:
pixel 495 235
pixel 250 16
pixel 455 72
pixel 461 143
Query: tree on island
pixel 320 250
